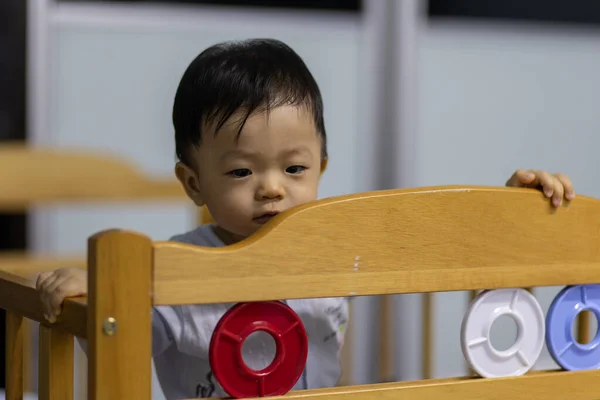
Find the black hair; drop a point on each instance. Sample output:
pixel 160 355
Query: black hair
pixel 250 75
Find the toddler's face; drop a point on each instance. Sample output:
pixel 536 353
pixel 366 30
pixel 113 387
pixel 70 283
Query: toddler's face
pixel 274 164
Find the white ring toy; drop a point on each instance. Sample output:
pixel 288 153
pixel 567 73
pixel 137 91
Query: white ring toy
pixel 488 306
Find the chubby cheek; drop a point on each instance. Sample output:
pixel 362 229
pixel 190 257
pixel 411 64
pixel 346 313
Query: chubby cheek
pixel 301 194
pixel 232 208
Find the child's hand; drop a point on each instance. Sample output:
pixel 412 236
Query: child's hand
pixel 55 286
pixel 555 186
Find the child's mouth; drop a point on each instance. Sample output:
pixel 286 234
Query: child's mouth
pixel 263 219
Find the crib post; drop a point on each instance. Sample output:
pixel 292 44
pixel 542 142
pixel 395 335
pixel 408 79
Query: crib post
pixel 119 316
pixel 56 364
pixel 14 356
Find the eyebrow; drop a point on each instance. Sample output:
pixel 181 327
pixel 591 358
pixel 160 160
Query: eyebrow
pixel 239 153
pixel 236 154
pixel 298 150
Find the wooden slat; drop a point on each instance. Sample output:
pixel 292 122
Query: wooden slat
pixel 28 355
pixel 408 241
pixel 72 318
pixel 56 364
pixel 120 272
pixel 385 343
pixel 428 335
pixel 472 295
pixel 582 385
pixel 14 356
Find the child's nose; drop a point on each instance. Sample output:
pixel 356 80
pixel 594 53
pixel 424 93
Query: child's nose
pixel 270 189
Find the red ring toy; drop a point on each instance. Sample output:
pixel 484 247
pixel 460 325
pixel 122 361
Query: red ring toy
pixel 225 351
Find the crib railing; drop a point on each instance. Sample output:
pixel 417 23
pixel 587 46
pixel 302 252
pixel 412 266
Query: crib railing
pixel 404 241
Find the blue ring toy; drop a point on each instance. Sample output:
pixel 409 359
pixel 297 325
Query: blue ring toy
pixel 563 347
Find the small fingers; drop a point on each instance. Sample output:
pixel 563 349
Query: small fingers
pixel 43 286
pixel 69 288
pixel 555 187
pixel 522 178
pixel 546 182
pixel 41 278
pixel 46 284
pixel 567 185
pixel 61 288
pixel 551 186
pixel 47 297
pixel 559 192
pixel 44 279
pixel 55 295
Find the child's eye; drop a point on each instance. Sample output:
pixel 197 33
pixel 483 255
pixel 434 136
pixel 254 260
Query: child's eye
pixel 295 169
pixel 240 173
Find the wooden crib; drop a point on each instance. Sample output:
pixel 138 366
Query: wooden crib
pixel 386 242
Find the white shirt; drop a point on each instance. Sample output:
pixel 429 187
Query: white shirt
pixel 181 336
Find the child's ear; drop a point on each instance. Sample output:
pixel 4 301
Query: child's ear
pixel 190 182
pixel 324 164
